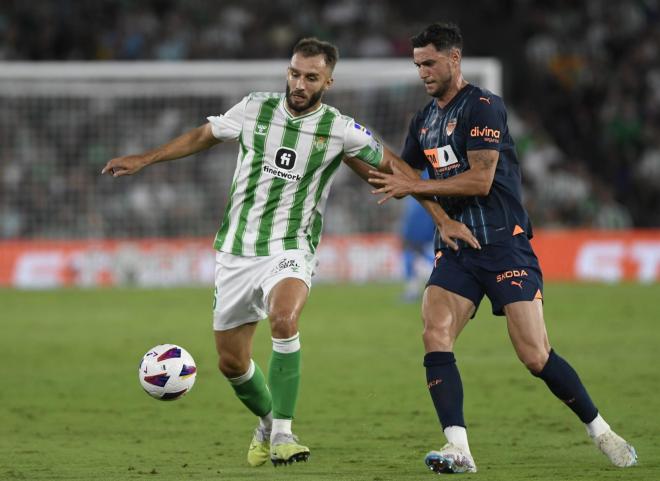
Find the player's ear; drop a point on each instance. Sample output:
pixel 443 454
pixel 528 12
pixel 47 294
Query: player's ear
pixel 455 54
pixel 328 83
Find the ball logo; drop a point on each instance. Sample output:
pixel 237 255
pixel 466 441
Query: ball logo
pixel 285 158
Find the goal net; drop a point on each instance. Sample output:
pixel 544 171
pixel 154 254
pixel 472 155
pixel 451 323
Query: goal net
pixel 61 122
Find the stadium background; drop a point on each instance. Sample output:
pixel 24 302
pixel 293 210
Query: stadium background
pixel 581 81
pixel 582 84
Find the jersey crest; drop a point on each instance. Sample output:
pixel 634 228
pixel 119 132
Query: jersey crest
pixel 451 125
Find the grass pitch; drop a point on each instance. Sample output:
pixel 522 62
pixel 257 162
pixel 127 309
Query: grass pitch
pixel 71 407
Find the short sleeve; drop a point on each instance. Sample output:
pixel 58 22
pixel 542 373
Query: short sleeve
pixel 486 124
pixel 360 143
pixel 229 125
pixel 412 152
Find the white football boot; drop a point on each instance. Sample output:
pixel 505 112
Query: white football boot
pixel 616 449
pixel 450 459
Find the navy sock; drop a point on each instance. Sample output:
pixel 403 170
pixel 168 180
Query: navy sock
pixel 564 383
pixel 445 386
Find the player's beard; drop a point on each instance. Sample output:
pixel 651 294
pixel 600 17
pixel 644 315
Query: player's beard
pixel 313 99
pixel 442 87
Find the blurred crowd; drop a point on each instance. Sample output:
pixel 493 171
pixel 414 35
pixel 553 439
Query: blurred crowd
pixel 581 81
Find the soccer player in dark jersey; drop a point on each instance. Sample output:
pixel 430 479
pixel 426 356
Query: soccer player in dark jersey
pixel 461 137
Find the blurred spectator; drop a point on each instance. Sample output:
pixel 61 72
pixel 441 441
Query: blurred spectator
pixel 581 80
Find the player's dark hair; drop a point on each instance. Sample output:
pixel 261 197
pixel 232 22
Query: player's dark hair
pixel 442 35
pixel 312 46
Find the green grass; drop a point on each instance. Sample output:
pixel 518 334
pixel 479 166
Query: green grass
pixel 71 407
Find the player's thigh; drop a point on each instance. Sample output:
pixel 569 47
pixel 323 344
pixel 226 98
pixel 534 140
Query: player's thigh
pixel 234 348
pixel 509 273
pixel 452 296
pixel 286 290
pixel 287 298
pixel 445 314
pixel 238 295
pixel 528 334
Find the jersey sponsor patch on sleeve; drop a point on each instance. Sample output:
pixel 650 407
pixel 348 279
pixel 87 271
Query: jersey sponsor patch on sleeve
pixel 485 133
pixel 362 128
pixel 360 143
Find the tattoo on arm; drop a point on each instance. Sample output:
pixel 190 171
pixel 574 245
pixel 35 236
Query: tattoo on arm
pixel 483 159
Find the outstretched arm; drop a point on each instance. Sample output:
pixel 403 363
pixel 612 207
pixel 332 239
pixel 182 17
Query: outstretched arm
pixel 477 180
pixel 193 141
pixel 448 228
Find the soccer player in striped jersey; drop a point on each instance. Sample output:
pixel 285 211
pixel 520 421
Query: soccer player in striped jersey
pixel 462 139
pixel 291 146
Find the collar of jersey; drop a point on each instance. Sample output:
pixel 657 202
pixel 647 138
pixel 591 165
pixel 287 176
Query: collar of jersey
pixel 455 98
pixel 293 118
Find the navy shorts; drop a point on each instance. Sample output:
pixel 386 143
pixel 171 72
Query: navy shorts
pixel 506 272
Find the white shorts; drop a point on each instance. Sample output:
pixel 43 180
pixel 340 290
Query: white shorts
pixel 242 284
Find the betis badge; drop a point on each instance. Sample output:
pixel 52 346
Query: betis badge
pixel 319 143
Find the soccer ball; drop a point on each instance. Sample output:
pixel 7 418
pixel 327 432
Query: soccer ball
pixel 167 372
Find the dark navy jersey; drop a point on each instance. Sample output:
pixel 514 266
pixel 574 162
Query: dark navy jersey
pixel 439 140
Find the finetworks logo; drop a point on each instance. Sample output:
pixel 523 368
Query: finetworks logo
pixel 281 174
pixel 485 132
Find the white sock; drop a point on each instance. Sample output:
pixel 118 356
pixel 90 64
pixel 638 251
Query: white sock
pixel 457 435
pixel 287 346
pixel 597 427
pixel 243 378
pixel 281 426
pixel 266 422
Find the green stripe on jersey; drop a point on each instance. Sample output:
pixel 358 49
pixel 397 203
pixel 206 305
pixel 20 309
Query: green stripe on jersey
pixel 265 115
pixel 289 139
pixel 294 222
pixel 370 156
pixel 226 221
pixel 317 225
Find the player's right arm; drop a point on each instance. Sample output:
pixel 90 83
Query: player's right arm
pixel 450 230
pixel 218 129
pixel 193 141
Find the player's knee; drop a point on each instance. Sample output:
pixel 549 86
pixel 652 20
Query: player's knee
pixel 535 361
pixel 283 323
pixel 232 366
pixel 437 335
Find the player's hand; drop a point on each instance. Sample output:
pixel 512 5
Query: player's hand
pixel 397 184
pixel 126 165
pixel 451 230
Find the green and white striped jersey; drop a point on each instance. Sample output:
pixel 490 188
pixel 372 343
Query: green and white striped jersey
pixel 284 171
